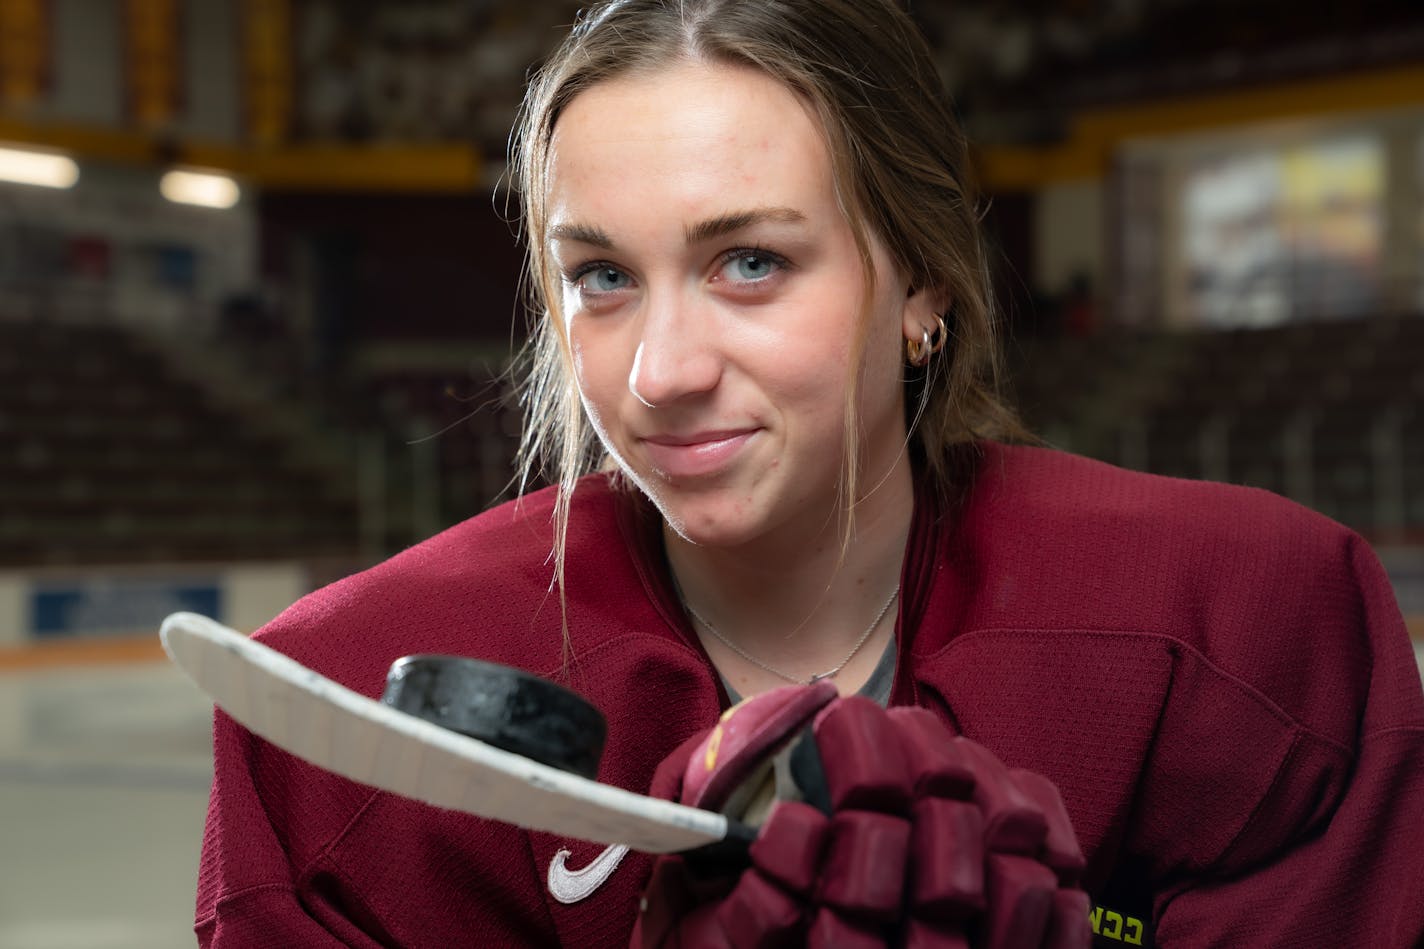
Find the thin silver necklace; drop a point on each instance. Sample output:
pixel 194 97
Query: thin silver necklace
pixel 864 637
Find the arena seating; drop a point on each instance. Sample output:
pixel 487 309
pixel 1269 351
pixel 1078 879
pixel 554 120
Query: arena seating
pixel 464 419
pixel 1330 413
pixel 114 460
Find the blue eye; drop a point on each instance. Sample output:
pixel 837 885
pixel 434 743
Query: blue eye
pixel 602 279
pixel 750 266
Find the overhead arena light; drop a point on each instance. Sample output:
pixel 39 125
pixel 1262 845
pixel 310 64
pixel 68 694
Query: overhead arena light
pixel 206 189
pixel 46 169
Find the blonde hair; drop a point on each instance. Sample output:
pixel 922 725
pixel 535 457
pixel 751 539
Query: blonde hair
pixel 900 165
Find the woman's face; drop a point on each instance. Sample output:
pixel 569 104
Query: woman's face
pixel 711 291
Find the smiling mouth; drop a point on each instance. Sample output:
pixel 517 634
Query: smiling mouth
pixel 701 454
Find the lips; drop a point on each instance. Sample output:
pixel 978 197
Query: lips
pixel 698 454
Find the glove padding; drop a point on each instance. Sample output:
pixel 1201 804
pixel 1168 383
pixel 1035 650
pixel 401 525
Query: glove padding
pixel 874 827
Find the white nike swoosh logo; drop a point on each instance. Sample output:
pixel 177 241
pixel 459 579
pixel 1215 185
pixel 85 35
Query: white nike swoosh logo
pixel 570 886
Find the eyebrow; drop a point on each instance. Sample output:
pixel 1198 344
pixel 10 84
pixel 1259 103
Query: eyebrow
pixel 718 226
pixel 581 233
pixel 725 224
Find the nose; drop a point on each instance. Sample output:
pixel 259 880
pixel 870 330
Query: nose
pixel 678 354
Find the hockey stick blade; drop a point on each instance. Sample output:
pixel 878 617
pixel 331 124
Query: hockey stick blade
pixel 333 727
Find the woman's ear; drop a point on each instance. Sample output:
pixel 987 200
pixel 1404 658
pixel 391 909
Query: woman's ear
pixel 923 311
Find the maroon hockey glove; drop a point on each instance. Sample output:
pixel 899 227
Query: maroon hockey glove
pixel 872 828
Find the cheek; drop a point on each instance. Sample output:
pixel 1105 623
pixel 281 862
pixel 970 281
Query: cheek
pixel 602 353
pixel 591 378
pixel 812 385
pixel 579 356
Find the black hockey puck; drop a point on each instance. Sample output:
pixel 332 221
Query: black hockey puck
pixel 504 707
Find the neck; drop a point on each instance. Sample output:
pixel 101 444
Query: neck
pixel 794 598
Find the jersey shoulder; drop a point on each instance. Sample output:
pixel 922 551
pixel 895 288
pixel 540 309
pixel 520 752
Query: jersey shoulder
pixel 1103 502
pixel 1264 590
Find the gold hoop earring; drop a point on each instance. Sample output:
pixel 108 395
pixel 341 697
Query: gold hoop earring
pixel 919 351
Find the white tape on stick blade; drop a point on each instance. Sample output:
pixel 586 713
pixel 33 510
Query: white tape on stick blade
pixel 343 731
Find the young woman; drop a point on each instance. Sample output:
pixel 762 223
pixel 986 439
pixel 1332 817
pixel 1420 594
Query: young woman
pixel 763 378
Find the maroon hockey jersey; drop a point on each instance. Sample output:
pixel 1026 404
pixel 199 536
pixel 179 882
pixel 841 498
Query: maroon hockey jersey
pixel 1218 680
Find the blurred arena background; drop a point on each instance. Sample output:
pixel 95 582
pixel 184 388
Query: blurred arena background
pixel 257 290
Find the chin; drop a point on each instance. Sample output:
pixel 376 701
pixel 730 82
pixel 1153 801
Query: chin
pixel 709 522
